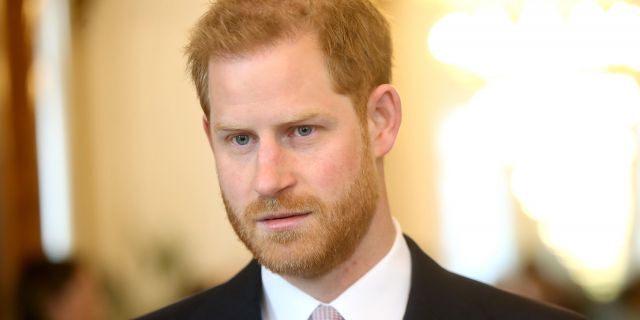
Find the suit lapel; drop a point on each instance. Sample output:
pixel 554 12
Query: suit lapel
pixel 241 299
pixel 422 295
pixel 431 295
pixel 437 293
pixel 247 305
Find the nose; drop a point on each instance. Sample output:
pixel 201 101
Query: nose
pixel 273 169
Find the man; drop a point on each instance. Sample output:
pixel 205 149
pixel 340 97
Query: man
pixel 299 114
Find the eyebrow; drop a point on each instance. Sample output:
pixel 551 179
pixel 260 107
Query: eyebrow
pixel 288 121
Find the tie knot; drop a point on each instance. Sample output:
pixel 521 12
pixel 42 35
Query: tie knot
pixel 325 312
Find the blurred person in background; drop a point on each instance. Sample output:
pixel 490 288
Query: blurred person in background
pixel 58 291
pixel 299 114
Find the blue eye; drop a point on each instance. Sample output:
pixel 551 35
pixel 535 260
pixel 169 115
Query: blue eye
pixel 304 131
pixel 242 139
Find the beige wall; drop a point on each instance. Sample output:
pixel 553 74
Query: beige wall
pixel 144 182
pixel 144 177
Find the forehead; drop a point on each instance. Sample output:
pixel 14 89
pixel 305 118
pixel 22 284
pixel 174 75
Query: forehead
pixel 290 73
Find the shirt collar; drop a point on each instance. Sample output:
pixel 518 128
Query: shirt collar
pixel 373 289
pixel 277 298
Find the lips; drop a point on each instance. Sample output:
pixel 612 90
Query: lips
pixel 283 221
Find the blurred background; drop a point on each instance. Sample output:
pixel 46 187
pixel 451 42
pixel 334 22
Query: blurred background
pixel 517 163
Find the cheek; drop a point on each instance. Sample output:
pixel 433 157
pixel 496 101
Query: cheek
pixel 335 170
pixel 234 180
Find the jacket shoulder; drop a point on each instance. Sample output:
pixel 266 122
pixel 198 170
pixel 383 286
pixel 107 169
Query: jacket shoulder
pixel 238 298
pixel 499 304
pixel 439 294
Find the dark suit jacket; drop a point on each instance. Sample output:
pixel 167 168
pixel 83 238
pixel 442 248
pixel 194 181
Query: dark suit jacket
pixel 435 294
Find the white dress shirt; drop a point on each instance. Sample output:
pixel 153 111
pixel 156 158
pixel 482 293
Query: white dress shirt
pixel 382 293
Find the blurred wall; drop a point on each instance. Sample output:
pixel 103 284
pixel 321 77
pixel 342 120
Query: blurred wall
pixel 4 83
pixel 147 207
pixel 4 60
pixel 19 204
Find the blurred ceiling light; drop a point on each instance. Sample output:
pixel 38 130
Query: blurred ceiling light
pixel 479 241
pixel 491 44
pixel 566 126
pixel 50 71
pixel 572 153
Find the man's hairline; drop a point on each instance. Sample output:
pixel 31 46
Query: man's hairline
pixel 265 46
pixel 291 37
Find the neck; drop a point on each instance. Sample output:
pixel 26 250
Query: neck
pixel 372 248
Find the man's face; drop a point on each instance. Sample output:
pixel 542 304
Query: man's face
pixel 293 162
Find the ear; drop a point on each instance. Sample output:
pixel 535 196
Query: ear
pixel 384 116
pixel 207 130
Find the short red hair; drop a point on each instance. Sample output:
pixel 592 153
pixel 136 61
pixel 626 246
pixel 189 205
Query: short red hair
pixel 353 35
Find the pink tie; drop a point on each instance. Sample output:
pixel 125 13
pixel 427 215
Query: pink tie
pixel 324 312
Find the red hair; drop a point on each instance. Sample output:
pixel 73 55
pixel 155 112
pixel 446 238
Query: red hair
pixel 353 35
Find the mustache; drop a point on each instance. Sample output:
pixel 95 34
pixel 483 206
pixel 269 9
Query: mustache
pixel 282 204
